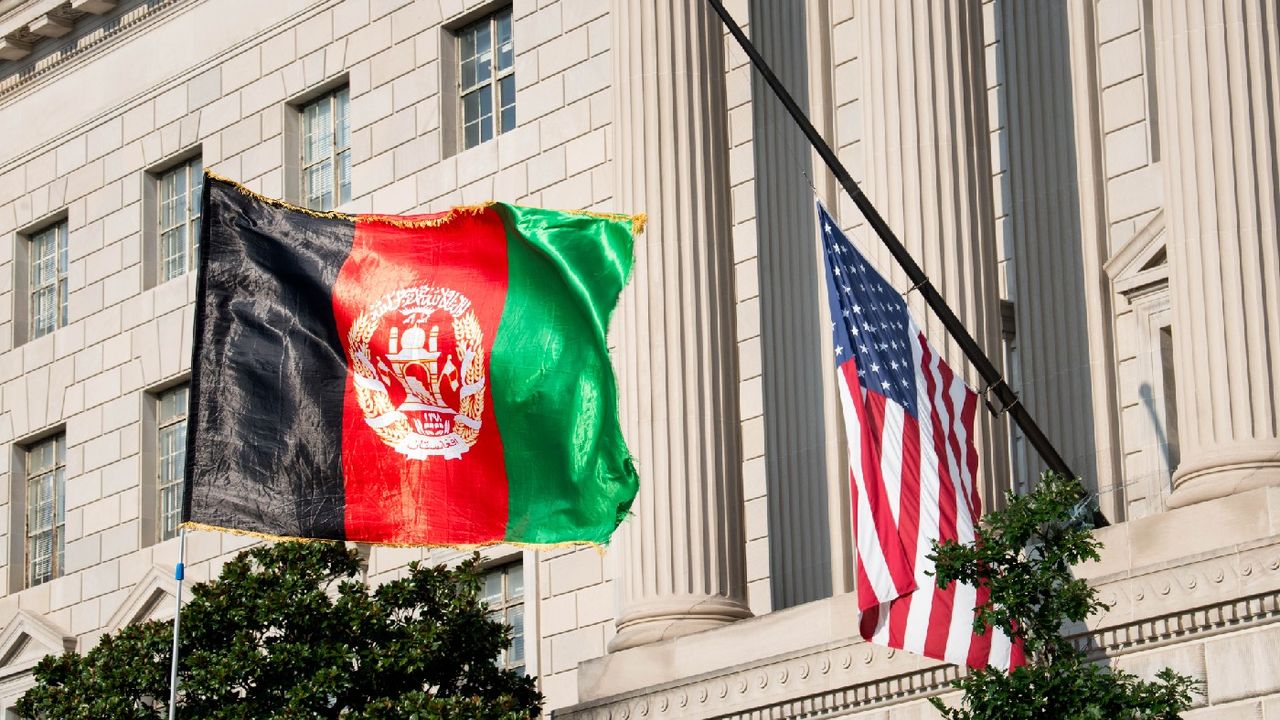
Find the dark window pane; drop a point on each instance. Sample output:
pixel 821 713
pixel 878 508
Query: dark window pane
pixel 507 96
pixel 486 113
pixel 506 47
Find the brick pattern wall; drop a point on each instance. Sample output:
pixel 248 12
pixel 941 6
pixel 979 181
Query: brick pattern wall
pixel 125 338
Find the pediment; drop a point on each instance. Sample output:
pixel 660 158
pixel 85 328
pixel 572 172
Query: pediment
pixel 1141 265
pixel 27 638
pixel 151 599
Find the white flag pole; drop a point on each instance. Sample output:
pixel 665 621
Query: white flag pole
pixel 178 572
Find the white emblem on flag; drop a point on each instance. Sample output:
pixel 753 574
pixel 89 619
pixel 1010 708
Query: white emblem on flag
pixel 417 360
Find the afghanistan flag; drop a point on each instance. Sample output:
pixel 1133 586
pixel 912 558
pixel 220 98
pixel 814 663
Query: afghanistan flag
pixel 419 380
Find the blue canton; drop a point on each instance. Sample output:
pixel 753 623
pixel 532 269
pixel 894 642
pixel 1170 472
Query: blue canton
pixel 869 320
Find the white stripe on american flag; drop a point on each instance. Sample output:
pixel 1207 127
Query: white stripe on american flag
pixel 968 485
pixel 891 456
pixel 875 565
pixel 1001 649
pixel 880 635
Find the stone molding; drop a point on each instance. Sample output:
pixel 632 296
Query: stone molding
pixel 1140 265
pixel 791 676
pixel 155 587
pixel 82 45
pixel 27 627
pixel 1225 590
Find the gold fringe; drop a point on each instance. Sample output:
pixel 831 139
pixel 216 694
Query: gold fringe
pixel 442 218
pixel 327 214
pixel 600 547
pixel 638 221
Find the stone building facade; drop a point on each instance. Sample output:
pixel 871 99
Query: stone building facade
pixel 1093 184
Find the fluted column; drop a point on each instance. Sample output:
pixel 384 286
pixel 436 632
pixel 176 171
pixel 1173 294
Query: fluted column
pixel 1060 291
pixel 683 566
pixel 1219 98
pixel 792 324
pixel 928 171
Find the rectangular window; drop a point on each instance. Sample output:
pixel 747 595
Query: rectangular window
pixel 46 509
pixel 326 151
pixel 48 279
pixel 504 593
pixel 171 443
pixel 486 78
pixel 180 218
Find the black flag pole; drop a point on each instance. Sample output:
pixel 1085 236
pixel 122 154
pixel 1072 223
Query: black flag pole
pixel 996 384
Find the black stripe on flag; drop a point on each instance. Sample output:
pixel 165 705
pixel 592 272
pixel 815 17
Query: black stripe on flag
pixel 264 443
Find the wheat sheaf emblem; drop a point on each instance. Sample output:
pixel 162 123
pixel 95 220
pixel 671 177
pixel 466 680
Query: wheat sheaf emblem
pixel 417 361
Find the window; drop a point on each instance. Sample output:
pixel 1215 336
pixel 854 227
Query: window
pixel 171 458
pixel 486 78
pixel 46 509
pixel 180 218
pixel 504 593
pixel 326 151
pixel 48 279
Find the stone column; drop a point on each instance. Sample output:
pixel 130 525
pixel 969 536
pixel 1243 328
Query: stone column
pixel 795 359
pixel 1219 98
pixel 683 564
pixel 928 170
pixel 1061 294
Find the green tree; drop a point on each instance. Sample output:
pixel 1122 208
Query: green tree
pixel 289 631
pixel 1025 554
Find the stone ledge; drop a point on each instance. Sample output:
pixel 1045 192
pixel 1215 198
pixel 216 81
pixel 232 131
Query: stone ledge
pixel 808 659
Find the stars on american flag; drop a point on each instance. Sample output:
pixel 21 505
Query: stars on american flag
pixel 872 328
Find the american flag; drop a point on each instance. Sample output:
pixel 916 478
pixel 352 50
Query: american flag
pixel 909 420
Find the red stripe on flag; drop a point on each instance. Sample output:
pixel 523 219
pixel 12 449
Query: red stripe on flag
pixel 870 618
pixel 391 496
pixel 980 646
pixel 908 519
pixel 971 454
pixel 1017 655
pixel 866 595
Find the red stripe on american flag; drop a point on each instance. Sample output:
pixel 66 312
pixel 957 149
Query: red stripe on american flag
pixel 971 454
pixel 909 519
pixel 980 646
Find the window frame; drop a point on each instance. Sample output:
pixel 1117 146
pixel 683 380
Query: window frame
pixel 57 557
pixel 508 600
pixel 174 485
pixel 339 118
pixel 497 73
pixel 192 170
pixel 61 230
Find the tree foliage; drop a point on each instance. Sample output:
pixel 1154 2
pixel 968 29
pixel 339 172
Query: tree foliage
pixel 289 631
pixel 1025 554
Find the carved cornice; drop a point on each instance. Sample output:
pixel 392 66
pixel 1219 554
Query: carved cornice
pixel 1181 602
pixel 77 47
pixel 827 679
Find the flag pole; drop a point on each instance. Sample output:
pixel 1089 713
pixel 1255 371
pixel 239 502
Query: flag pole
pixel 919 281
pixel 178 572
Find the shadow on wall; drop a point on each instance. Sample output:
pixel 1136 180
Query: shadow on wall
pixel 1049 244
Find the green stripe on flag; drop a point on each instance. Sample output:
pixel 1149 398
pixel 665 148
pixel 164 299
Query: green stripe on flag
pixel 570 475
